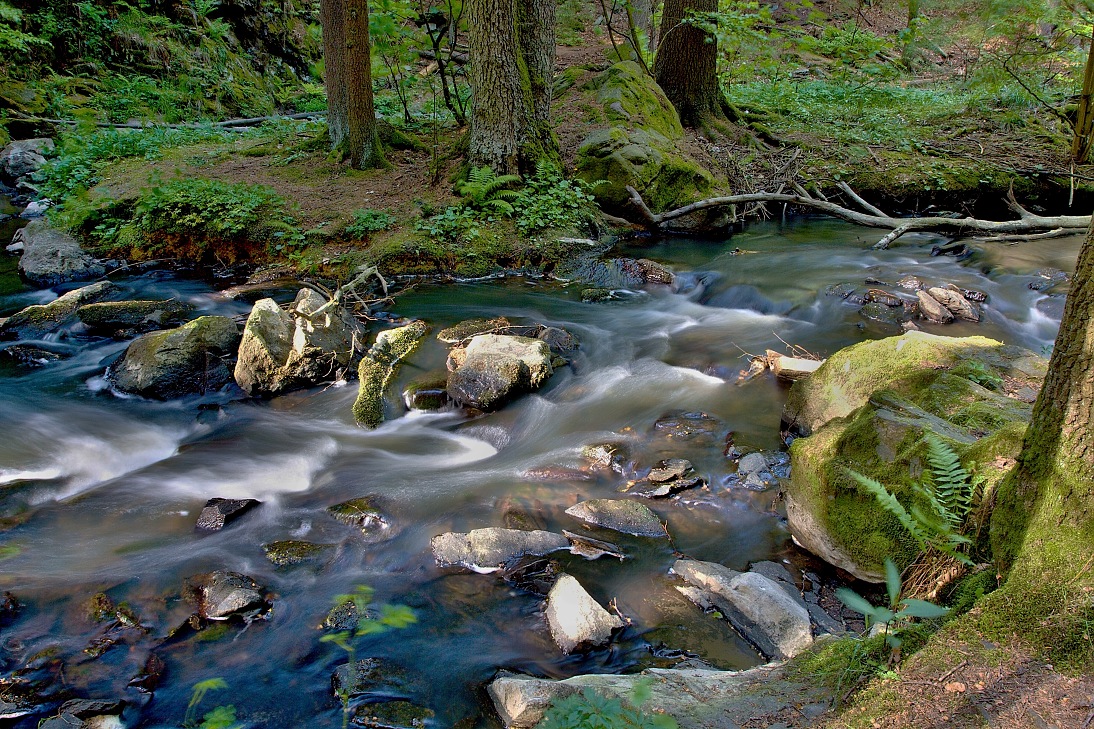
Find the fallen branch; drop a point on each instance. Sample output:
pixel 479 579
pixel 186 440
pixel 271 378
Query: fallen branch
pixel 1028 223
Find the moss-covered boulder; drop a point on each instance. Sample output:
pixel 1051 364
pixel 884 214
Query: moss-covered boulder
pixel 643 147
pixel 34 322
pixel 51 257
pixel 868 408
pixel 378 368
pixel 494 368
pixel 176 362
pixel 139 316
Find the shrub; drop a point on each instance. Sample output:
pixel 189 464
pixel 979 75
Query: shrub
pixel 552 201
pixel 368 221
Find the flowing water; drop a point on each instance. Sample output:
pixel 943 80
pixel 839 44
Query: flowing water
pixel 100 492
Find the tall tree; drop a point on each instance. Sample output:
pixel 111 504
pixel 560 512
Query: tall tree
pixel 687 62
pixel 347 60
pixel 512 69
pixel 1042 527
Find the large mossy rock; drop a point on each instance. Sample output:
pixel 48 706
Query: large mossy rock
pixel 177 362
pixel 494 368
pixel 643 147
pixel 380 365
pixel 868 408
pixel 38 320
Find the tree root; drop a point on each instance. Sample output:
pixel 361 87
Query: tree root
pixel 1028 226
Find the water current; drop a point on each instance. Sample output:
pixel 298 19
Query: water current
pixel 99 492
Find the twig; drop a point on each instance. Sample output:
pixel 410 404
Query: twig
pixel 952 671
pixel 857 198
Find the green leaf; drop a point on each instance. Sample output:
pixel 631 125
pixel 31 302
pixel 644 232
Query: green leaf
pixel 855 601
pixel 397 616
pixel 892 581
pixel 922 609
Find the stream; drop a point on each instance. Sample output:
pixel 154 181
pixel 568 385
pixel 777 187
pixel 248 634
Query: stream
pixel 99 492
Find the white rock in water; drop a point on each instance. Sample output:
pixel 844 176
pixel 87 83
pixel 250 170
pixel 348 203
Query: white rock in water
pixel 575 618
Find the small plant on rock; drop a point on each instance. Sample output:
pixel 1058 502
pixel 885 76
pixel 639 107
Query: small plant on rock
pixel 591 710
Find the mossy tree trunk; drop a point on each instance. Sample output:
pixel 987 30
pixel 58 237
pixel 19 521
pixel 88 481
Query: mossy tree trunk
pixel 512 69
pixel 347 59
pixel 1084 118
pixel 686 66
pixel 1042 526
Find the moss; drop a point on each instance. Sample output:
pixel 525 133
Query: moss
pixel 378 368
pixel 294 552
pixel 471 327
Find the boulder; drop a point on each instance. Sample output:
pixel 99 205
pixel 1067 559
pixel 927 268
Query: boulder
pixel 621 515
pixel 487 550
pixel 35 322
pixel 759 608
pixel 694 698
pixel 24 157
pixel 222 594
pixel 472 327
pixel 956 302
pixel 138 316
pixel 494 369
pixel 427 393
pixel 378 368
pixel 642 147
pixel 31 355
pixel 575 618
pixel 284 350
pixel 51 257
pixel 868 408
pixel 177 362
pixel 219 513
pixel 752 463
pixel 87 714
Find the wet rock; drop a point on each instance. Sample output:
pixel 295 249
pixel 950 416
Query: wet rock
pixel 472 328
pixel 343 616
pixel 286 350
pixel 878 296
pixel 497 368
pixel 149 678
pixel 752 463
pixel 354 679
pixel 391 714
pixel 669 470
pixel 292 552
pixel 842 290
pixel 621 515
pixel 30 355
pixel 957 304
pixel 597 295
pixel 970 294
pixel 178 362
pixel 219 513
pixel 87 714
pixel 910 283
pixel 428 393
pixel 932 309
pixel 536 575
pixel 139 316
pixel 605 455
pixel 668 488
pixel 223 594
pixel 9 608
pixel 35 322
pixel 487 550
pixel 960 251
pixel 882 313
pixel 1050 278
pixel 24 157
pixel 770 618
pixel 590 548
pixel 556 473
pixel 378 368
pixel 51 257
pixel 575 618
pixel 691 426
pixel 362 514
pixel 559 340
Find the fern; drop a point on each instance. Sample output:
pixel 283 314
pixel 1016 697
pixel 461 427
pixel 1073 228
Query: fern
pixel 486 190
pixel 954 487
pixel 893 506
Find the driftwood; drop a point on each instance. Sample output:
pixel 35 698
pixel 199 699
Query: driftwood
pixel 1023 228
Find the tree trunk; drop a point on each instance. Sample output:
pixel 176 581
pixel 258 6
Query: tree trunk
pixel 1084 119
pixel 348 75
pixel 507 132
pixel 686 63
pixel 537 45
pixel 1042 526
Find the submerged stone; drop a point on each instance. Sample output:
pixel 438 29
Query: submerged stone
pixel 223 594
pixel 391 714
pixel 472 327
pixel 294 552
pixel 487 550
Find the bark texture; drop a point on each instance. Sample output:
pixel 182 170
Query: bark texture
pixel 686 63
pixel 348 76
pixel 1084 118
pixel 509 130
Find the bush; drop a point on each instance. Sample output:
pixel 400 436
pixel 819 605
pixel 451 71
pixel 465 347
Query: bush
pixel 368 221
pixel 552 201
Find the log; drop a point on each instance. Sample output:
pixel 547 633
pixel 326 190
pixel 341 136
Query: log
pixel 791 368
pixel 1027 222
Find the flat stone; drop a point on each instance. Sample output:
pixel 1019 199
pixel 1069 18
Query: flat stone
pixel 219 513
pixel 765 613
pixel 932 309
pixel 752 463
pixel 670 488
pixel 35 322
pixel 669 469
pixel 291 552
pixel 575 618
pixel 958 305
pixel 590 548
pixel 222 594
pixel 471 328
pixel 141 316
pixel 621 515
pixel 487 550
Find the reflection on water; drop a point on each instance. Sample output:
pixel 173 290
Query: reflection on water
pixel 102 492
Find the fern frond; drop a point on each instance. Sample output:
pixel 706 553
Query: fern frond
pixel 953 485
pixel 894 507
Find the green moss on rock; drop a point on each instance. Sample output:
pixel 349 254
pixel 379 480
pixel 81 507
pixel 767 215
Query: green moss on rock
pixel 378 368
